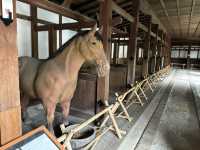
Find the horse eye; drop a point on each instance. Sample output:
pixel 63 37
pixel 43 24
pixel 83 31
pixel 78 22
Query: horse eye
pixel 94 43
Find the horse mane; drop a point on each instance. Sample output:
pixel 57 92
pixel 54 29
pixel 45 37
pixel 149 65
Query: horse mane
pixel 67 43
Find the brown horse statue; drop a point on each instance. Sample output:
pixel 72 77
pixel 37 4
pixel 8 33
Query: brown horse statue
pixel 54 80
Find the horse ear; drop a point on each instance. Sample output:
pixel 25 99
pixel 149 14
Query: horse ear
pixel 101 30
pixel 93 31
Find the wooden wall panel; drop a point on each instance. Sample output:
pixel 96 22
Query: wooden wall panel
pixel 118 77
pixel 10 124
pixel 85 97
pixel 10 116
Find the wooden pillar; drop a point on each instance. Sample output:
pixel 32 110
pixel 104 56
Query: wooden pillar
pixel 155 49
pixel 106 23
pixel 60 31
pixel 52 40
pixel 115 54
pixel 159 51
pixel 132 49
pixel 10 110
pixel 147 43
pixel 34 33
pixel 188 56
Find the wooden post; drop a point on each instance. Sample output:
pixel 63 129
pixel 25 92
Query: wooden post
pixel 34 33
pixel 115 53
pixel 132 49
pixel 159 48
pixel 156 48
pixel 10 110
pixel 146 54
pixel 106 23
pixel 52 40
pixel 60 31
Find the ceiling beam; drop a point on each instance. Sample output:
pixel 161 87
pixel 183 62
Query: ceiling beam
pixel 67 3
pixel 59 9
pixel 122 12
pixel 166 13
pixel 178 15
pixel 191 13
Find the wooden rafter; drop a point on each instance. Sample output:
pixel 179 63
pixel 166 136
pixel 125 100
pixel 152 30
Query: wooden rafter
pixel 122 12
pixel 166 13
pixel 59 9
pixel 67 3
pixel 190 17
pixel 178 15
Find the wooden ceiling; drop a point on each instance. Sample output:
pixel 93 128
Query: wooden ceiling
pixel 180 17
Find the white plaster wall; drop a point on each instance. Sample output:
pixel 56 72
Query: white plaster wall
pixel 67 34
pixel 24 31
pixel 43 46
pixel 22 8
pixel 23 37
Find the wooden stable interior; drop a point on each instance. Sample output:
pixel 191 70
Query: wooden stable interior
pixel 125 24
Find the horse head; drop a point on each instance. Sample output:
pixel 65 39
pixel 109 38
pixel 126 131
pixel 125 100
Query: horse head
pixel 92 50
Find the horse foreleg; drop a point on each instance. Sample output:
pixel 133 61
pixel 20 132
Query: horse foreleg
pixel 65 110
pixel 50 109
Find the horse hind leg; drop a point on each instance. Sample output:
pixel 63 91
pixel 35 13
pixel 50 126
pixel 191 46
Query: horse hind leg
pixel 24 104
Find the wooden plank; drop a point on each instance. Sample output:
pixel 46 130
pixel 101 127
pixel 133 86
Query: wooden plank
pixel 52 41
pixel 10 124
pixel 132 49
pixel 34 33
pixel 105 22
pixel 122 12
pixel 10 116
pixel 58 9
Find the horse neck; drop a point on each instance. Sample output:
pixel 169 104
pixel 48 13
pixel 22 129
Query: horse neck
pixel 72 59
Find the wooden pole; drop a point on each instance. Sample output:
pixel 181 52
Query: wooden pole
pixel 133 42
pixel 34 33
pixel 60 31
pixel 10 110
pixel 106 23
pixel 52 41
pixel 145 67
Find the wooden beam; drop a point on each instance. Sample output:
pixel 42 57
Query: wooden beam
pixel 66 26
pixel 122 12
pixel 34 33
pixel 132 49
pixel 59 10
pixel 28 18
pixel 178 15
pixel 118 31
pixel 166 13
pixel 67 3
pixel 191 13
